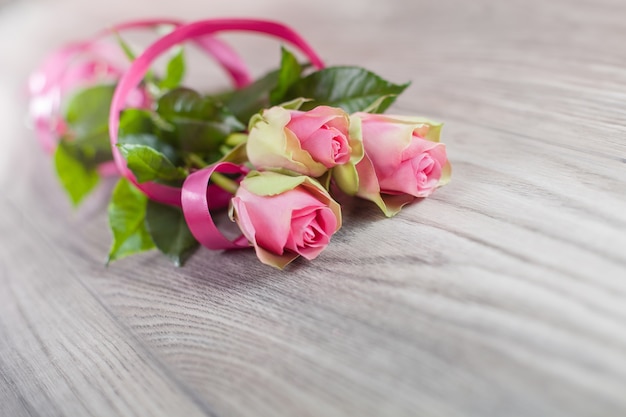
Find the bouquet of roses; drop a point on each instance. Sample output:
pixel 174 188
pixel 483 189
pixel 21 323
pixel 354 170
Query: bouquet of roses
pixel 272 151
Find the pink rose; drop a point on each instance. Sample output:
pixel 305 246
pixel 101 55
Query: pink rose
pixel 403 160
pixel 307 143
pixel 284 216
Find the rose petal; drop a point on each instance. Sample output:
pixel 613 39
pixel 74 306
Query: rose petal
pixel 272 259
pixel 272 146
pixel 403 181
pixel 304 124
pixel 369 187
pixel 328 146
pixel 299 224
pixel 243 219
pixel 298 220
pixel 269 219
pixel 394 203
pixel 384 142
pixel 403 160
pixel 271 216
pixel 418 146
pixel 321 226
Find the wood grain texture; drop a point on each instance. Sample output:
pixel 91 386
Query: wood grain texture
pixel 502 295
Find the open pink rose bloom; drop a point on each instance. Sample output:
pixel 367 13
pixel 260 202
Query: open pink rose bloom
pixel 284 216
pixel 404 160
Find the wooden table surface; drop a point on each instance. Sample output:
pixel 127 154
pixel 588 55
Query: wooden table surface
pixel 502 295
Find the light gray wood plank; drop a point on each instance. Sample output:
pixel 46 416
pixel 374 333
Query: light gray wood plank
pixel 61 352
pixel 543 325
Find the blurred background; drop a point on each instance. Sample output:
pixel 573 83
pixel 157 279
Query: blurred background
pixel 30 29
pixel 459 52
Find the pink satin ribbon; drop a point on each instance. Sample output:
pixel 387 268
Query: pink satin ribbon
pixel 59 75
pixel 132 77
pixel 63 71
pixel 197 199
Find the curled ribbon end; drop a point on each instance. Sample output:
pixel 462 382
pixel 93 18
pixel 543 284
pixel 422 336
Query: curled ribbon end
pixel 197 203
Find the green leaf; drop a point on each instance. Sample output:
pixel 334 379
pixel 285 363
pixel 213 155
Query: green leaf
pixel 381 101
pixel 294 104
pixel 351 88
pixel 151 140
pixel 128 51
pixel 169 231
pixel 251 99
pixel 127 212
pixel 175 71
pixel 144 127
pixel 199 136
pixel 185 103
pixel 90 150
pixel 77 179
pixel 201 124
pixel 87 116
pixel 141 121
pixel 149 164
pixel 182 102
pixel 289 73
pixel 88 111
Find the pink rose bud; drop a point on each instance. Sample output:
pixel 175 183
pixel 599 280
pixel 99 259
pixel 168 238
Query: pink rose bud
pixel 403 160
pixel 307 143
pixel 285 217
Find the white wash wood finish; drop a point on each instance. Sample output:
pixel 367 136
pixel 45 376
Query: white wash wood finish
pixel 502 295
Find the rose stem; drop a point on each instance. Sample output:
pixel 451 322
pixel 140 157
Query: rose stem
pixel 224 182
pixel 218 179
pixel 195 160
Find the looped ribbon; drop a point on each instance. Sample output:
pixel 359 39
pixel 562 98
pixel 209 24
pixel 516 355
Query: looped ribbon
pixel 197 201
pixel 132 77
pixel 197 196
pixel 63 71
